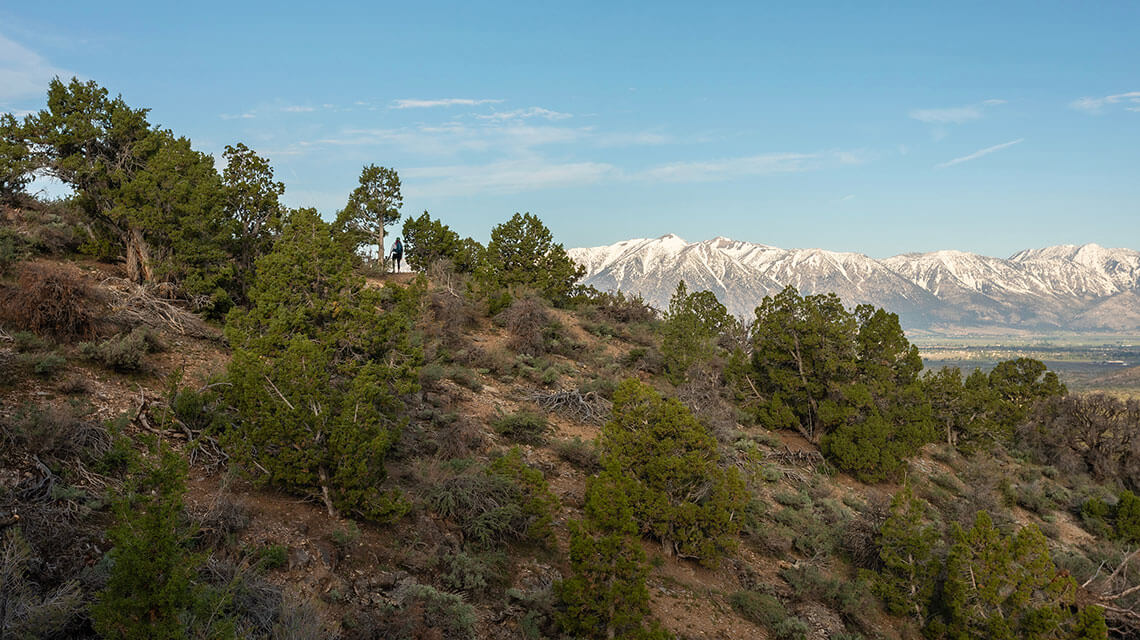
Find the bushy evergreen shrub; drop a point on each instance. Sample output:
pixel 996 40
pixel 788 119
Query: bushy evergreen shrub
pixel 679 492
pixel 320 366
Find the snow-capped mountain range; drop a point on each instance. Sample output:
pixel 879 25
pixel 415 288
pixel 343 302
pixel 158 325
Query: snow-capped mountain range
pixel 1068 287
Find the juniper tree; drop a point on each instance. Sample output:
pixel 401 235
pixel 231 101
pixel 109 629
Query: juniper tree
pixel 252 201
pixel 320 364
pixel 16 165
pixel 151 587
pixel 803 349
pixel 690 328
pixel 679 492
pixel 606 596
pixel 428 240
pixel 1006 586
pixel 907 546
pixel 149 196
pixel 522 252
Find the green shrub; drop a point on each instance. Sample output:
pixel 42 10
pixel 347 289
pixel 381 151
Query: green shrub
pixel 758 608
pixel 346 537
pixel 271 556
pixel 27 342
pixel 680 494
pixel 606 596
pixel 123 353
pixel 1127 527
pixel 319 377
pixel 524 426
pixel 504 501
pixel 791 629
pixel 48 364
pixel 444 613
pixel 472 574
pixel 465 377
pixel 579 453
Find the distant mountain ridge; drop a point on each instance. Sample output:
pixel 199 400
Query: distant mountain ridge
pixel 1067 287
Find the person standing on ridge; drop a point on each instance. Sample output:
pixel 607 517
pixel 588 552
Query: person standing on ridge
pixel 397 253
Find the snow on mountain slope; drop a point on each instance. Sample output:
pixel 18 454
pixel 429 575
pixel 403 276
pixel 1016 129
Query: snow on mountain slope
pixel 1080 287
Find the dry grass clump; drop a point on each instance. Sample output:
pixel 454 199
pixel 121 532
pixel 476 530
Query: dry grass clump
pixel 53 300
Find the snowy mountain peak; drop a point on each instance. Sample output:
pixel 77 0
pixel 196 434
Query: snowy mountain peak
pixel 1066 286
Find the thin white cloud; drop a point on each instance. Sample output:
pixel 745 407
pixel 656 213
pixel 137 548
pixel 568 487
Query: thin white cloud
pixel 23 72
pixel 442 102
pixel 949 115
pixel 955 115
pixel 510 176
pixel 847 198
pixel 300 109
pixel 1130 100
pixel 522 114
pixel 756 165
pixel 248 115
pixel 979 153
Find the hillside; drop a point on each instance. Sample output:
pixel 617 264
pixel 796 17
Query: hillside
pixel 800 562
pixel 1068 287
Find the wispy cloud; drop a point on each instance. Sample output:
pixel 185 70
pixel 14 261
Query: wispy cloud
pixel 510 176
pixel 23 72
pixel 522 114
pixel 955 115
pixel 300 108
pixel 755 165
pixel 441 102
pixel 1130 100
pixel 979 153
pixel 248 115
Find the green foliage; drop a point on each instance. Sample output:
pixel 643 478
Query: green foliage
pixel 251 198
pixel 148 195
pixel 522 253
pixel 151 589
pixel 524 426
pixel 759 608
pixel 1002 586
pixel 606 596
pixel 579 453
pixel 25 612
pixel 373 205
pixel 803 348
pixel 907 548
pixel 472 574
pixel 271 556
pixel 427 241
pixel 669 464
pixel 846 380
pixel 538 504
pixel 445 614
pixel 123 353
pixel 16 161
pixel 507 500
pixel 689 330
pixel 320 364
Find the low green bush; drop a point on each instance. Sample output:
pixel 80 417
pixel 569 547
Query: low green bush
pixel 524 426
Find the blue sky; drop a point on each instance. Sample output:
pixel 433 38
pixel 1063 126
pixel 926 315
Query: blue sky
pixel 872 127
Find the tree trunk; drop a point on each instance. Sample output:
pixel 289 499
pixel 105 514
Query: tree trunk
pixel 139 268
pixel 380 245
pixel 324 476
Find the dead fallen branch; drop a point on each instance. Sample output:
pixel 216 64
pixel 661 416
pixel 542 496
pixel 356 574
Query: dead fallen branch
pixel 133 304
pixel 586 407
